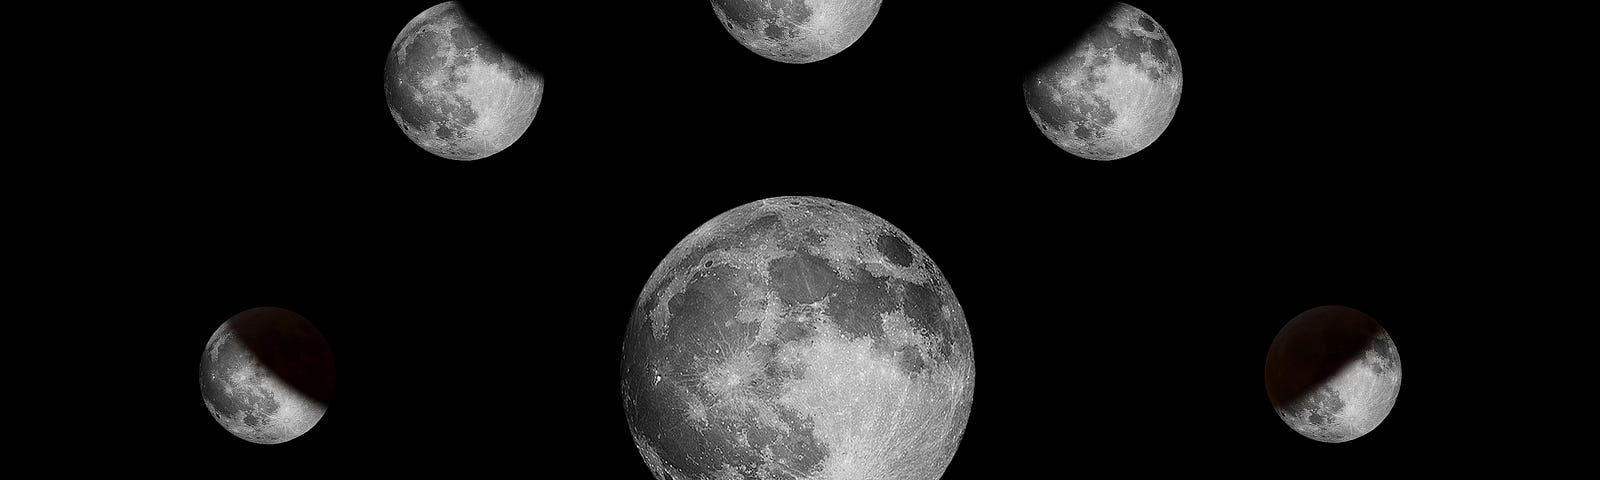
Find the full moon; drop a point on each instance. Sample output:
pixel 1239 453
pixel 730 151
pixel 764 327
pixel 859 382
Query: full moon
pixel 797 337
pixel 1113 92
pixel 267 375
pixel 1333 374
pixel 455 93
pixel 796 31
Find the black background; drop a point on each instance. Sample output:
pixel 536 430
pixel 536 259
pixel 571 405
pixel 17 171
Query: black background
pixel 1120 311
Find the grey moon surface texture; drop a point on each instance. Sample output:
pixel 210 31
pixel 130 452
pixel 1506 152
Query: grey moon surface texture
pixel 1333 374
pixel 1113 92
pixel 796 31
pixel 453 91
pixel 267 375
pixel 797 337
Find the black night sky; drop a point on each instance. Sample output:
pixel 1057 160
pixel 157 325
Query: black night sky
pixel 1120 311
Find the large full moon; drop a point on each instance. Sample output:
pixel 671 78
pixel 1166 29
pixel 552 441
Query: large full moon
pixel 1333 374
pixel 796 31
pixel 267 375
pixel 797 337
pixel 455 93
pixel 1113 92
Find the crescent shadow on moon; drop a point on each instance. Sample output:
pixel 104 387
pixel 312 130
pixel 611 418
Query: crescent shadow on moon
pixel 1066 27
pixel 1312 349
pixel 1070 24
pixel 491 22
pixel 290 347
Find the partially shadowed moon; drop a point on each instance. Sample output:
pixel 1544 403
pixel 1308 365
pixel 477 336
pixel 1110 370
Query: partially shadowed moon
pixel 267 375
pixel 1333 374
pixel 1113 92
pixel 796 31
pixel 453 91
pixel 797 337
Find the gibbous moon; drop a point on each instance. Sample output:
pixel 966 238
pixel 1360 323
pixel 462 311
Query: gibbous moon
pixel 796 31
pixel 797 337
pixel 455 93
pixel 1113 92
pixel 267 375
pixel 1333 374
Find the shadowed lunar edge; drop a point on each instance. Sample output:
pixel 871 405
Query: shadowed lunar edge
pixel 1332 373
pixel 1114 92
pixel 267 375
pixel 455 93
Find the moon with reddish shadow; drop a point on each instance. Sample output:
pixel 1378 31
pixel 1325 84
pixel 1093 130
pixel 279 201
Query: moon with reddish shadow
pixel 1333 374
pixel 267 375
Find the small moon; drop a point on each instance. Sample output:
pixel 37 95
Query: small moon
pixel 1333 374
pixel 453 91
pixel 1113 92
pixel 796 31
pixel 267 375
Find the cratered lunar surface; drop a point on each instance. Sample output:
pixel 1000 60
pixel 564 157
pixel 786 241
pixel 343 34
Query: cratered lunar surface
pixel 797 337
pixel 453 91
pixel 267 375
pixel 796 31
pixel 1333 374
pixel 1113 92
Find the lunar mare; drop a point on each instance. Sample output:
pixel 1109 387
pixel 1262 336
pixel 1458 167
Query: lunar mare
pixel 455 93
pixel 1333 374
pixel 1114 91
pixel 796 31
pixel 267 375
pixel 797 338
